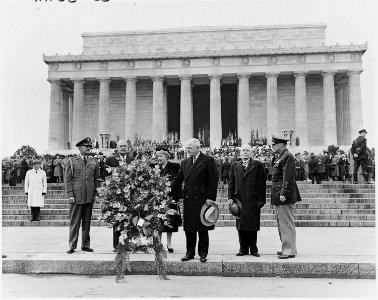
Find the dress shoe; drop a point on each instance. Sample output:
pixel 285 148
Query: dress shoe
pixel 284 256
pixel 115 250
pixel 170 250
pixel 38 219
pixel 87 249
pixel 255 254
pixel 203 259
pixel 31 219
pixel 186 258
pixel 279 252
pixel 241 253
pixel 70 251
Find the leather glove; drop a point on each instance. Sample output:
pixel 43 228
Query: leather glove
pixel 260 204
pixel 43 194
pixel 26 194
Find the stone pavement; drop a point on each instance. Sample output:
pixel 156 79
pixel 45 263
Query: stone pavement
pixel 325 252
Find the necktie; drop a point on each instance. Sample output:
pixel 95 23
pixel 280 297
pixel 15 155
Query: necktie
pixel 85 160
pixel 35 171
pixel 245 163
pixel 194 160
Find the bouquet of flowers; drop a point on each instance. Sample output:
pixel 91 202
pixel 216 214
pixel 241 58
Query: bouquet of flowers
pixel 134 200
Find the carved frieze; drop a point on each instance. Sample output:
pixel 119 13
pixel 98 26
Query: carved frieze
pixel 185 62
pixel 77 66
pixel 272 59
pixel 54 66
pixel 355 56
pixel 157 63
pixel 245 60
pixel 103 65
pixel 301 58
pixel 215 61
pixel 330 57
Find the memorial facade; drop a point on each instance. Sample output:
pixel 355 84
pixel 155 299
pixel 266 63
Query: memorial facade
pixel 223 79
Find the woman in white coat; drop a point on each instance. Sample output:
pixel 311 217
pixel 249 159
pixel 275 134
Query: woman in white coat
pixel 35 189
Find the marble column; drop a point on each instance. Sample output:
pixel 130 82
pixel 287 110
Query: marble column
pixel 130 113
pixel 186 109
pixel 329 109
pixel 301 123
pixel 78 112
pixel 55 118
pixel 70 118
pixel 165 112
pixel 272 123
pixel 157 109
pixel 65 118
pixel 355 103
pixel 103 110
pixel 244 130
pixel 215 112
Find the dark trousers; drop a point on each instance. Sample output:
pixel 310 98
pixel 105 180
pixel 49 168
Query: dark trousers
pixel 314 177
pixel 116 235
pixel 363 164
pixel 247 241
pixel 35 212
pixel 80 213
pixel 203 243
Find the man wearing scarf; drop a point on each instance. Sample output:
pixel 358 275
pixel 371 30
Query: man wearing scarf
pixel 284 195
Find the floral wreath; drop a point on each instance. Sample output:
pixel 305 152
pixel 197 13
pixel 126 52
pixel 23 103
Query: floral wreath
pixel 134 200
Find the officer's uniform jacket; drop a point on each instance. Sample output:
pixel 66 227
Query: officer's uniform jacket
pixel 82 180
pixel 283 179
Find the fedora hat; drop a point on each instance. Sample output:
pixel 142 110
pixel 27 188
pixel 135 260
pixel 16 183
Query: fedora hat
pixel 209 214
pixel 236 208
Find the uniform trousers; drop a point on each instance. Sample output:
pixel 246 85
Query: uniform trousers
pixel 35 212
pixel 286 228
pixel 203 243
pixel 80 213
pixel 247 241
pixel 363 164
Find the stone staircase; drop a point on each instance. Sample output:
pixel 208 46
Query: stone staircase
pixel 324 205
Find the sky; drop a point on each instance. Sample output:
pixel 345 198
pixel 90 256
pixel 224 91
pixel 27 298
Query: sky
pixel 30 28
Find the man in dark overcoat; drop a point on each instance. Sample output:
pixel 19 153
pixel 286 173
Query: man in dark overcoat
pixel 113 161
pixel 284 195
pixel 199 174
pixel 225 170
pixel 248 184
pixel 360 156
pixel 82 179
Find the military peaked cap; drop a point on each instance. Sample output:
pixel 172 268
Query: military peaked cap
pixel 362 130
pixel 277 139
pixel 85 142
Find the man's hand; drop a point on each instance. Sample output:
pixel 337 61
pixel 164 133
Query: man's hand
pixel 26 194
pixel 355 155
pixel 71 200
pixel 209 202
pixel 43 194
pixel 230 201
pixel 282 198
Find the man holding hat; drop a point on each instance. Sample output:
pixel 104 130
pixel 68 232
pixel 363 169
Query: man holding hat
pixel 200 177
pixel 82 179
pixel 113 161
pixel 248 185
pixel 360 156
pixel 36 189
pixel 284 195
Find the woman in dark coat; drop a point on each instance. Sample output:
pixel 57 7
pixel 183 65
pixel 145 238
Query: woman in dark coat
pixel 248 184
pixel 170 170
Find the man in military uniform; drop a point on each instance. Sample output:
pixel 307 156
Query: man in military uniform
pixel 284 195
pixel 82 179
pixel 360 156
pixel 113 161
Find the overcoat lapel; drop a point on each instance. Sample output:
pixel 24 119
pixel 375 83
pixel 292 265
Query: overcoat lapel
pixel 239 167
pixel 196 165
pixel 250 167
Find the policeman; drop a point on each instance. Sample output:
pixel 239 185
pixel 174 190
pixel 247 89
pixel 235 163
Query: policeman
pixel 82 178
pixel 284 195
pixel 360 156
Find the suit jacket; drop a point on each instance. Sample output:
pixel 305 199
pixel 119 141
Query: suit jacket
pixel 113 161
pixel 200 183
pixel 283 180
pixel 249 186
pixel 82 180
pixel 359 147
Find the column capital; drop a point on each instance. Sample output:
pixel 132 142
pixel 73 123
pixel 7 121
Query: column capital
pixel 77 80
pixel 356 71
pixel 157 78
pixel 271 74
pixel 54 81
pixel 325 73
pixel 215 76
pixel 185 77
pixel 299 74
pixel 131 79
pixel 104 79
pixel 243 75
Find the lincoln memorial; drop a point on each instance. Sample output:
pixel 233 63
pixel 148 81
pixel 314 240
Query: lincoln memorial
pixel 225 79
